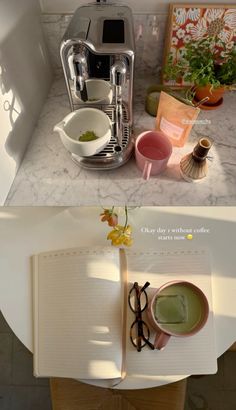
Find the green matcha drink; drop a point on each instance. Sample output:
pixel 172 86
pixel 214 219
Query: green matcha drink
pixel 178 309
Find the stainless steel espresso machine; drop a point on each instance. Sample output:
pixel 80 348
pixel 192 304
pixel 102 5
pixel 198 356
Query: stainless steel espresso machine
pixel 99 44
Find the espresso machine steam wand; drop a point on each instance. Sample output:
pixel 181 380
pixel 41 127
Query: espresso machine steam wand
pixel 118 80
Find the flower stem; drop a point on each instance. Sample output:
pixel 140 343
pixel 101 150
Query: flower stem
pixel 126 217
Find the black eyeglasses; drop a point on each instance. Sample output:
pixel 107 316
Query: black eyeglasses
pixel 139 330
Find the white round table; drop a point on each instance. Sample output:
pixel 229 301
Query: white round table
pixel 26 231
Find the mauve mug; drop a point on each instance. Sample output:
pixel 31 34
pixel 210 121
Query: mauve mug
pixel 152 152
pixel 178 308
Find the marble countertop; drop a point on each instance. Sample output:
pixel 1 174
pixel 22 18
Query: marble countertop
pixel 48 176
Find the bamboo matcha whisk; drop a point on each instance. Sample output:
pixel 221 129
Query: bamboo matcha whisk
pixel 193 166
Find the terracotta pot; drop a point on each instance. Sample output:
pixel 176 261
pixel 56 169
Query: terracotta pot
pixel 214 94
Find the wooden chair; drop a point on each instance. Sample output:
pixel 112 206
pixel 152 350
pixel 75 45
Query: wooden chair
pixel 69 394
pixel 233 348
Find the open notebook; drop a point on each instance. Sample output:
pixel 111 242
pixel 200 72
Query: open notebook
pixel 82 319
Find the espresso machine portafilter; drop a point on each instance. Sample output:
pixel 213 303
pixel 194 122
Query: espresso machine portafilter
pixel 99 44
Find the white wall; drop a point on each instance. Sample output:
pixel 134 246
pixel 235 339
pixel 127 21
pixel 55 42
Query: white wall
pixel 25 78
pixel 138 6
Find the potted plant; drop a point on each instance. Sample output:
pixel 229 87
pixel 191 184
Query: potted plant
pixel 209 64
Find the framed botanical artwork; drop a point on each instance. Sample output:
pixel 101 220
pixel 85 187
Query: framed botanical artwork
pixel 188 23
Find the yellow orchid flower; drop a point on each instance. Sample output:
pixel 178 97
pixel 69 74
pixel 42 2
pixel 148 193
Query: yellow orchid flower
pixel 121 235
pixel 110 216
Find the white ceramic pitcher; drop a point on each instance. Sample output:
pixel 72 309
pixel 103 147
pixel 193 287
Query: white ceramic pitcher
pixel 79 122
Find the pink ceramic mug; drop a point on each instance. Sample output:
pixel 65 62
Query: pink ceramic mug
pixel 152 152
pixel 183 311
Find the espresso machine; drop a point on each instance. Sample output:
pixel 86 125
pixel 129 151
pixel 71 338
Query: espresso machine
pixel 99 44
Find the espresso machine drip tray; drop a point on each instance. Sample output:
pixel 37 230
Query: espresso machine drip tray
pixel 114 154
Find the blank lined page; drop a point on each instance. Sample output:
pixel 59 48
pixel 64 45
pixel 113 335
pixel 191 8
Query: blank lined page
pixel 77 318
pixel 182 355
